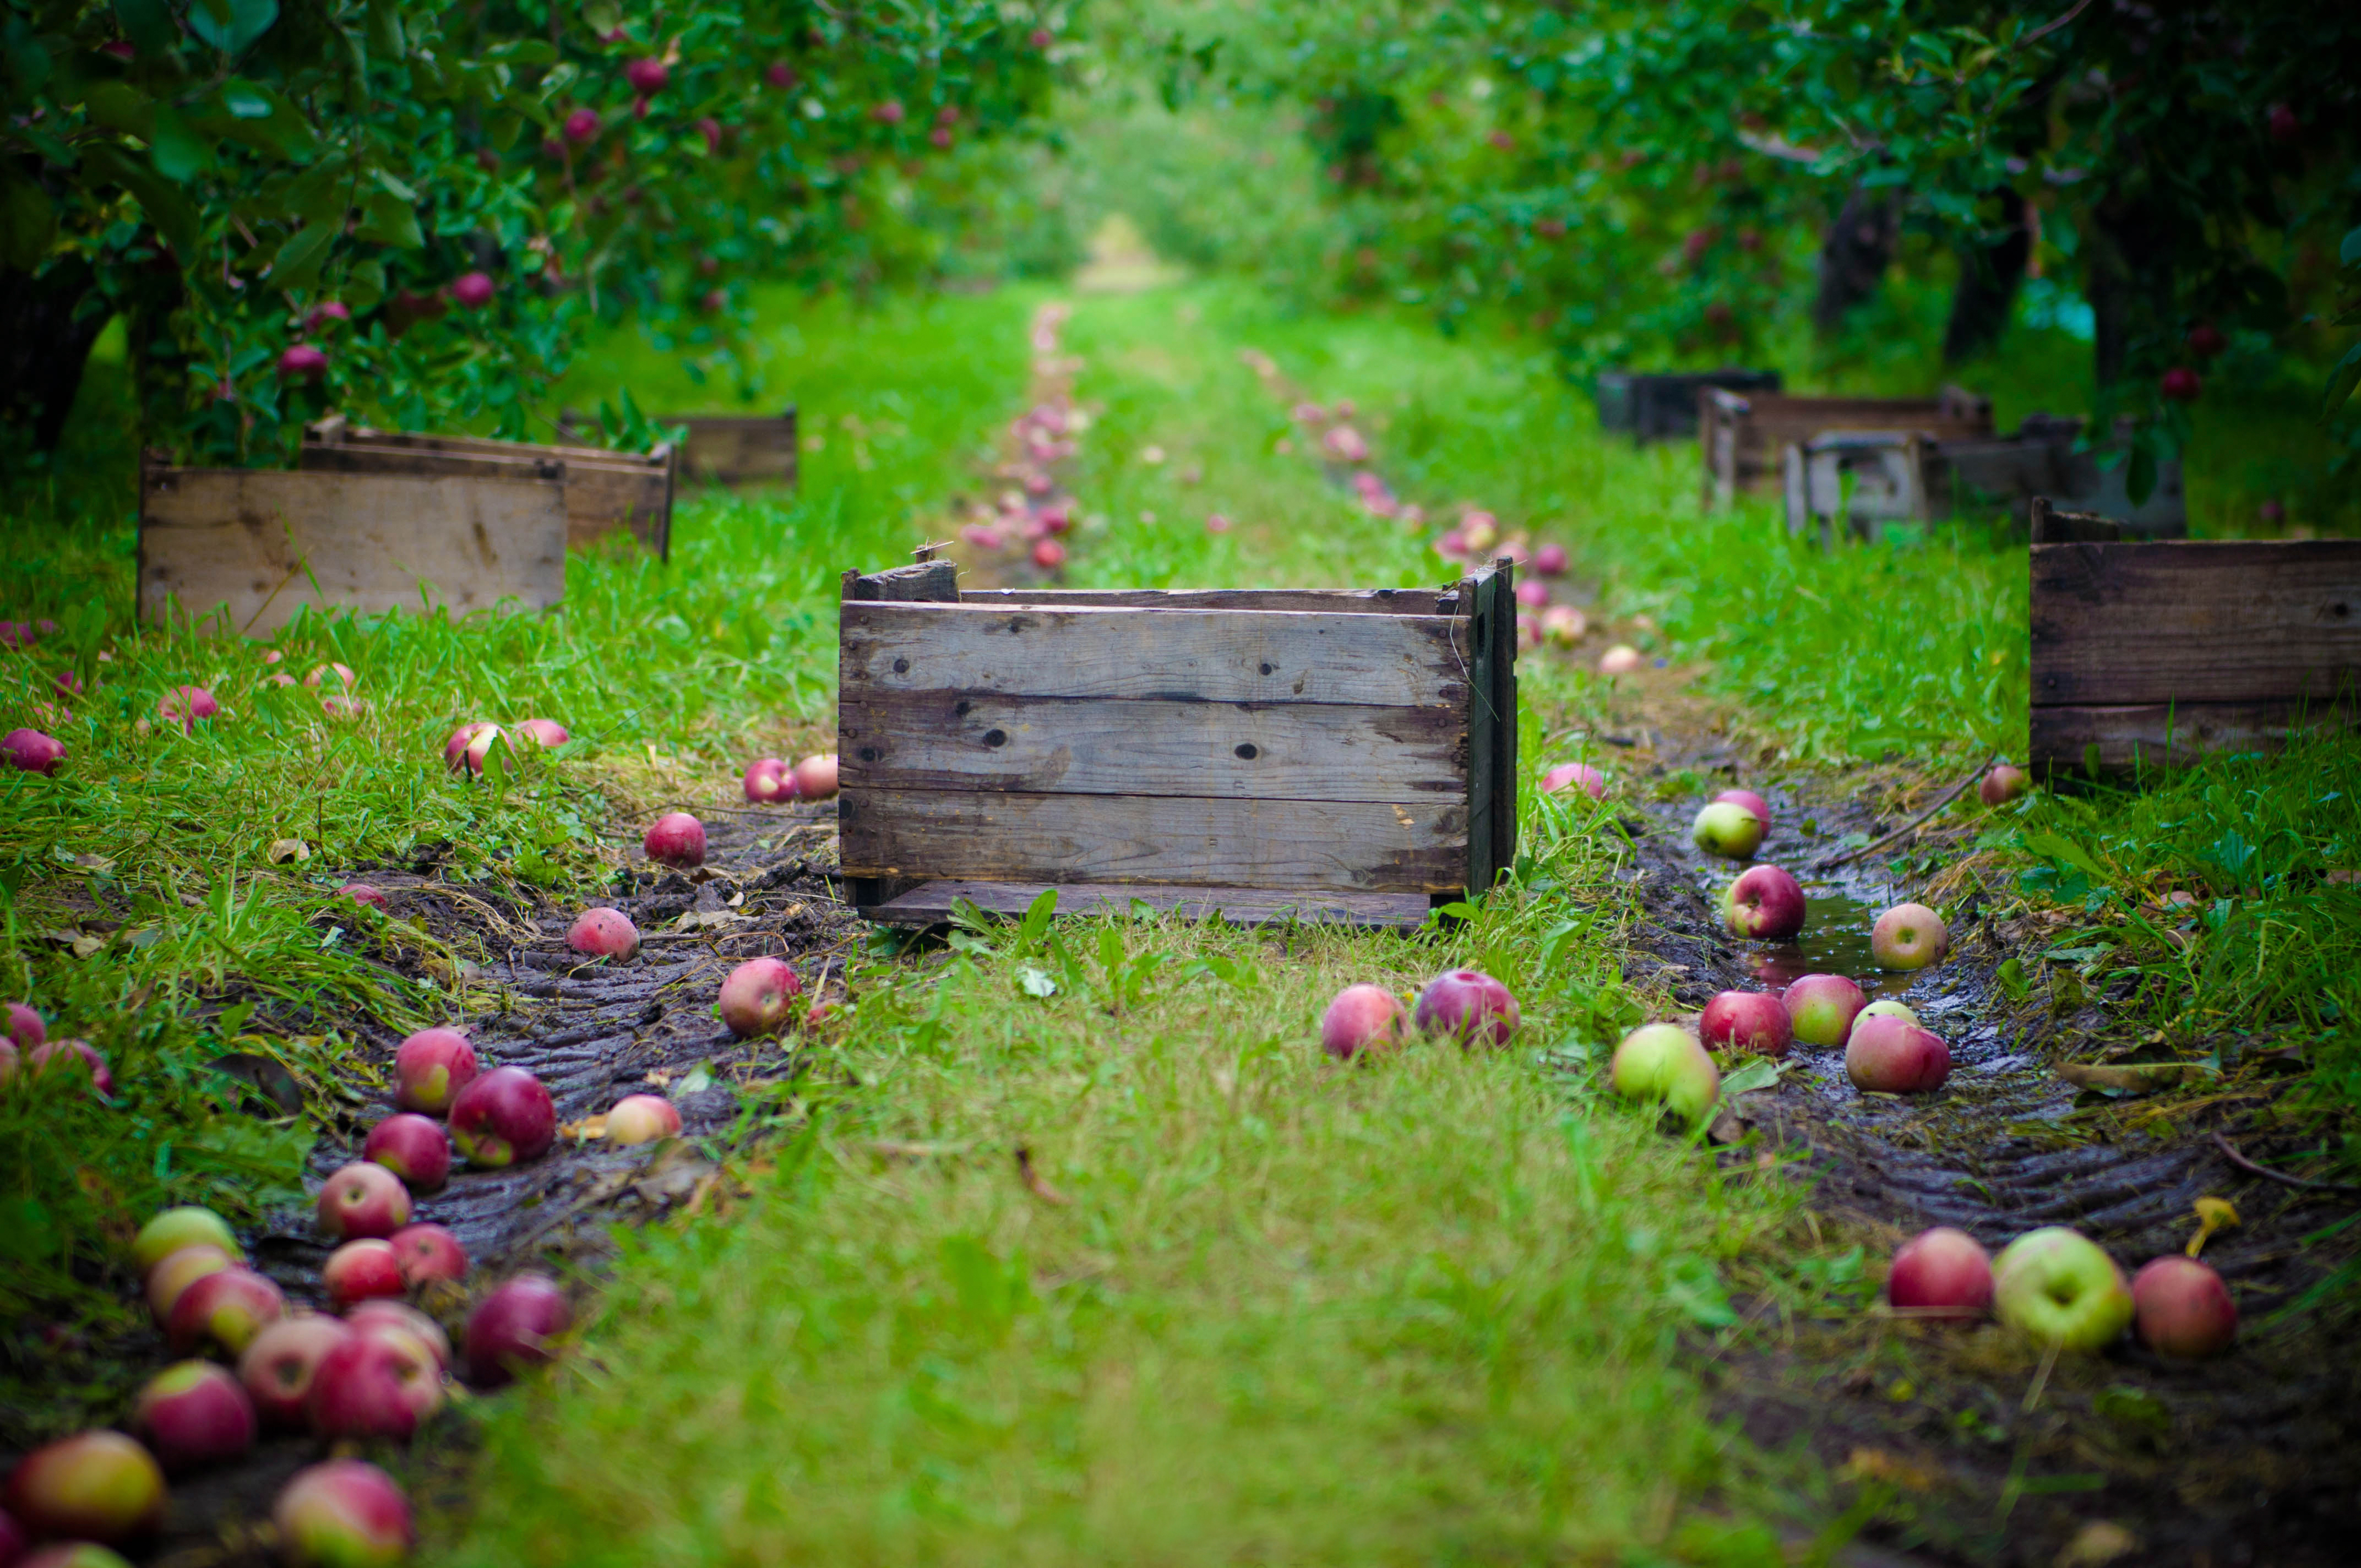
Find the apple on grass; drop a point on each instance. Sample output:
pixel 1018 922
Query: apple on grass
pixel 758 996
pixel 364 1199
pixel 1727 828
pixel 1747 1021
pixel 1469 1006
pixel 194 1413
pixel 1941 1273
pixel 428 1252
pixel 24 1025
pixel 1821 1008
pixel 1574 776
pixel 429 1068
pixel 2057 1287
pixel 1620 660
pixel 1362 1018
pixel 2003 784
pixel 675 839
pixel 278 1366
pixel 603 933
pixel 511 1329
pixel 1908 937
pixel 33 751
pixel 1664 1063
pixel 503 1117
pixel 384 1315
pixel 379 1383
pixel 1894 1055
pixel 2181 1309
pixel 225 1310
pixel 411 1146
pixel 94 1485
pixel 359 1270
pixel 177 1271
pixel 71 1059
pixel 642 1119
pixel 186 1226
pixel 1763 903
pixel 346 1513
pixel 364 892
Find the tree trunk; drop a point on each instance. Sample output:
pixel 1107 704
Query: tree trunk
pixel 1854 254
pixel 1990 271
pixel 43 347
pixel 2130 287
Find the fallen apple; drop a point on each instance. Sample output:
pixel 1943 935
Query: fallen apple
pixel 184 705
pixel 470 750
pixel 384 1315
pixel 1908 937
pixel 71 1059
pixel 2055 1286
pixel 24 1025
pixel 32 751
pixel 176 1271
pixel 193 1413
pixel 379 1383
pixel 1821 1008
pixel 1887 1007
pixel 503 1117
pixel 1361 1018
pixel 1574 776
pixel 2003 784
pixel 770 779
pixel 603 933
pixel 1469 1006
pixel 277 1364
pixel 544 732
pixel 344 676
pixel 94 1485
pixel 1941 1273
pixel 426 1251
pixel 642 1119
pixel 411 1146
pixel 1620 660
pixel 1532 594
pixel 1664 1063
pixel 816 776
pixel 429 1068
pixel 343 1514
pixel 226 1309
pixel 358 1271
pixel 2181 1309
pixel 1749 799
pixel 1892 1055
pixel 1550 560
pixel 72 1554
pixel 363 1200
pixel 186 1226
pixel 758 997
pixel 511 1329
pixel 1763 903
pixel 1753 1021
pixel 1563 626
pixel 1725 828
pixel 13 1542
pixel 677 839
pixel 1048 555
pixel 363 892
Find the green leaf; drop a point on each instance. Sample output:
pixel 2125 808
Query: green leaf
pixel 386 178
pixel 2349 253
pixel 2139 483
pixel 385 28
pixel 28 222
pixel 174 217
pixel 1760 1073
pixel 389 221
pixel 179 149
pixel 299 260
pixel 121 107
pixel 1037 919
pixel 2058 847
pixel 2342 381
pixel 28 58
pixel 320 192
pixel 231 26
pixel 244 99
pixel 148 25
pixel 364 284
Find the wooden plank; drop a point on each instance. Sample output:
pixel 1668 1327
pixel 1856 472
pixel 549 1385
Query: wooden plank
pixel 256 539
pixel 960 740
pixel 921 582
pixel 2194 622
pixel 604 489
pixel 932 904
pixel 740 449
pixel 1743 434
pixel 1414 846
pixel 1480 611
pixel 1181 655
pixel 2065 739
pixel 1352 601
pixel 1503 655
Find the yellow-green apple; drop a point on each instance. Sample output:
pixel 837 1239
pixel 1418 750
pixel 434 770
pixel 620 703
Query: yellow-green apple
pixel 1941 1273
pixel 758 997
pixel 2181 1309
pixel 1468 1005
pixel 358 1271
pixel 2057 1287
pixel 1763 903
pixel 511 1329
pixel 179 1270
pixel 1727 828
pixel 411 1146
pixel 504 1116
pixel 193 1413
pixel 1822 1007
pixel 642 1119
pixel 1574 776
pixel 1360 1019
pixel 276 1367
pixel 343 1514
pixel 226 1310
pixel 378 1383
pixel 364 1199
pixel 429 1068
pixel 2003 784
pixel 1892 1055
pixel 427 1252
pixel 386 1315
pixel 676 838
pixel 1751 801
pixel 71 1554
pixel 603 933
pixel 173 1229
pixel 94 1485
pixel 1663 1063
pixel 1887 1007
pixel 1908 937
pixel 1747 1021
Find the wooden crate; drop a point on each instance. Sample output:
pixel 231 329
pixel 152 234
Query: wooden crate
pixel 604 490
pixel 239 550
pixel 1903 474
pixel 2154 652
pixel 740 449
pixel 1282 753
pixel 1743 436
pixel 1659 407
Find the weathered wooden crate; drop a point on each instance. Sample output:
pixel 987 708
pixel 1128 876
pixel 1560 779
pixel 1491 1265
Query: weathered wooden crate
pixel 740 449
pixel 239 550
pixel 2151 653
pixel 1904 475
pixel 1270 754
pixel 1663 406
pixel 1743 436
pixel 604 490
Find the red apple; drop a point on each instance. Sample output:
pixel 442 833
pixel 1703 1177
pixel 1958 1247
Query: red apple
pixel 428 1252
pixel 1747 1021
pixel 343 1514
pixel 1532 593
pixel 278 1366
pixel 1821 1008
pixel 888 113
pixel 226 1309
pixel 816 776
pixel 2181 384
pixel 24 1025
pixel 544 732
pixel 186 1226
pixel 1764 904
pixel 710 129
pixel 33 751
pixel 1574 776
pixel 1550 560
pixel 1469 1006
pixel 13 1542
pixel 385 1315
pixel 1941 1273
pixel 2281 122
pixel 344 675
pixel 71 1059
pixel 1908 937
pixel 503 1117
pixel 603 933
pixel 511 1329
pixel 194 1413
pixel 1894 1055
pixel 469 750
pixel 2182 1309
pixel 303 362
pixel 758 997
pixel 95 1485
pixel 380 1384
pixel 647 77
pixel 429 1069
pixel 1040 37
pixel 780 75
pixel 364 892
pixel 411 1146
pixel 2003 784
pixel 643 1118
pixel 769 779
pixel 2206 340
pixel 473 291
pixel 677 839
pixel 582 125
pixel 363 1200
pixel 358 1271
pixel 177 1271
pixel 1362 1018
pixel 1048 555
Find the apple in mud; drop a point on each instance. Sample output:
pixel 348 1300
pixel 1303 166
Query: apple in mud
pixel 1620 660
pixel 1468 1005
pixel 1749 799
pixel 1892 1056
pixel 343 1514
pixel 642 1119
pixel 33 751
pixel 186 1226
pixel 1727 828
pixel 411 1146
pixel 603 933
pixel 1887 1007
pixel 544 732
pixel 364 1199
pixel 363 892
pixel 226 1309
pixel 94 1485
pixel 380 1384
pixel 503 1117
pixel 1908 937
pixel 769 779
pixel 1941 1273
pixel 1663 1063
pixel 1574 776
pixel 194 1413
pixel 24 1025
pixel 1360 1019
pixel 816 776
pixel 387 1316
pixel 511 1329
pixel 72 1058
pixel 677 839
pixel 276 1367
pixel 758 997
pixel 179 1270
pixel 2003 784
pixel 2181 1307
pixel 1763 903
pixel 1747 1021
pixel 427 1252
pixel 358 1271
pixel 429 1069
pixel 1821 1008
pixel 2057 1287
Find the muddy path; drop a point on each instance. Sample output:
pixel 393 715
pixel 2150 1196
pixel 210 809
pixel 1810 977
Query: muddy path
pixel 1970 1450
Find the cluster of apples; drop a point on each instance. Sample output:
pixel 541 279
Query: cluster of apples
pixel 1035 510
pixel 1463 1004
pixel 337 703
pixel 30 750
pixel 770 780
pixel 472 744
pixel 2059 1287
pixel 27 1046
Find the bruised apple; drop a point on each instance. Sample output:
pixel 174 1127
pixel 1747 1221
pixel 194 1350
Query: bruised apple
pixel 1763 903
pixel 1894 1055
pixel 603 933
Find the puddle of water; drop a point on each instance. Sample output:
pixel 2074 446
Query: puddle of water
pixel 1835 940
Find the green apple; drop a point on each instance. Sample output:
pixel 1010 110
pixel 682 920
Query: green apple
pixel 2058 1287
pixel 1665 1062
pixel 1887 1007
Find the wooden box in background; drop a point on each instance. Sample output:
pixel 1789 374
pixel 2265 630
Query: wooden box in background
pixel 1662 406
pixel 741 449
pixel 1743 436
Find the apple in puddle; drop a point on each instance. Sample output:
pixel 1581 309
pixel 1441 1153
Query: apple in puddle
pixel 1747 1021
pixel 343 1514
pixel 1892 1055
pixel 2003 784
pixel 188 1225
pixel 642 1119
pixel 278 1366
pixel 226 1309
pixel 72 1058
pixel 1887 1007
pixel 24 1025
pixel 1663 1063
pixel 1468 1005
pixel 1941 1273
pixel 758 997
pixel 511 1329
pixel 1574 776
pixel 770 779
pixel 179 1270
pixel 429 1068
pixel 411 1146
pixel 94 1485
pixel 33 751
pixel 1821 1008
pixel 387 1316
pixel 358 1271
pixel 504 1116
pixel 815 777
pixel 364 1199
pixel 2181 1309
pixel 427 1252
pixel 2058 1287
pixel 1361 1018
pixel 194 1413
pixel 544 732
pixel 379 1383
pixel 603 933
pixel 677 839
pixel 1908 937
pixel 1727 828
pixel 1763 903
